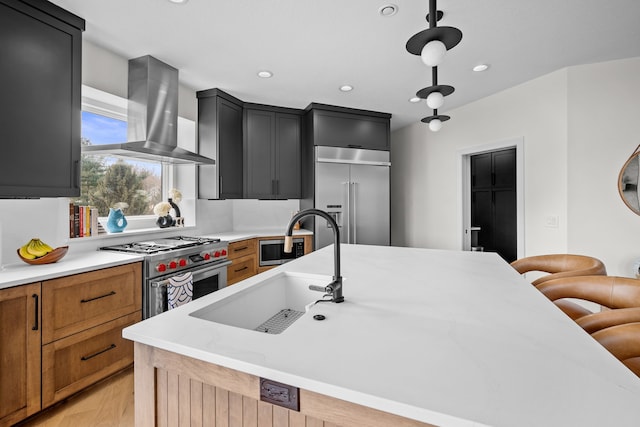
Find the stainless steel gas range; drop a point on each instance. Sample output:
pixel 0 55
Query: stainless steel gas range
pixel 173 257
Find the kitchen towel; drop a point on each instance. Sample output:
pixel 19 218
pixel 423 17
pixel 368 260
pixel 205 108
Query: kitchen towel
pixel 179 290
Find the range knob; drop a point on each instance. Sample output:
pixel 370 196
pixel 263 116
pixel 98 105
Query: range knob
pixel 223 252
pixel 182 262
pixel 207 256
pixel 173 265
pixel 217 254
pixel 161 267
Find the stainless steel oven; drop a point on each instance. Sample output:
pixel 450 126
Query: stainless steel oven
pixel 272 251
pixel 206 279
pixel 169 258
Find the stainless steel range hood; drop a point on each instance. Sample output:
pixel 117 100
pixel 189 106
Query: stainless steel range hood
pixel 152 129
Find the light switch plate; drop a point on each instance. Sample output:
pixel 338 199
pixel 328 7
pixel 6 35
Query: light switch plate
pixel 551 221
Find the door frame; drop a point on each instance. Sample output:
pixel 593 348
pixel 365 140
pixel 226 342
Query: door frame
pixel 464 189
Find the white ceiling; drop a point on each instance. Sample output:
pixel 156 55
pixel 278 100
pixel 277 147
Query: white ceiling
pixel 315 46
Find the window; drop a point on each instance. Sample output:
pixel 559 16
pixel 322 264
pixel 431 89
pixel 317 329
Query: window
pixel 108 182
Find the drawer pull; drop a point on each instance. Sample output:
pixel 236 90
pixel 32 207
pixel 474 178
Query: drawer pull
pixel 91 356
pixel 95 298
pixel 241 249
pixel 36 326
pixel 240 269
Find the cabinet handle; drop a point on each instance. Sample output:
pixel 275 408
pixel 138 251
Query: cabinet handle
pixel 76 173
pixel 241 249
pixel 91 356
pixel 35 317
pixel 240 269
pixel 82 301
pixel 220 186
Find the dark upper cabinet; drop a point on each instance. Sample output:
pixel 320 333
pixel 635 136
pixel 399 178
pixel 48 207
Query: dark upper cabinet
pixel 347 127
pixel 272 152
pixel 40 71
pixel 220 118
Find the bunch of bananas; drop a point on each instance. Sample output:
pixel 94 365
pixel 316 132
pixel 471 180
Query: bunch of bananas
pixel 35 248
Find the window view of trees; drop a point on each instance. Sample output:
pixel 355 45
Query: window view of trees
pixel 107 181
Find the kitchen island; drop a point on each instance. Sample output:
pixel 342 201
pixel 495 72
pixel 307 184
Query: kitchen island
pixel 424 337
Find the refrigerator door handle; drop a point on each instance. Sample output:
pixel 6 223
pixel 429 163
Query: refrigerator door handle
pixel 355 212
pixel 348 209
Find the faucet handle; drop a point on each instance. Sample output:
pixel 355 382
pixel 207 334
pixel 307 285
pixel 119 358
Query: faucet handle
pixel 318 288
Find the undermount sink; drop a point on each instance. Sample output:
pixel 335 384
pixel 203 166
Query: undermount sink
pixel 268 306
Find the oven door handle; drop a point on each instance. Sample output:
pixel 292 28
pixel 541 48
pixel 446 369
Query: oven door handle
pixel 198 274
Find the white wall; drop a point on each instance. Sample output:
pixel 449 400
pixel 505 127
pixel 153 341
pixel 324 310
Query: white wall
pixel 578 126
pixel 604 129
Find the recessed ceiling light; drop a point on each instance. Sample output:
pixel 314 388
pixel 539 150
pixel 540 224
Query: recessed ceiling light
pixel 346 88
pixel 179 1
pixel 388 10
pixel 415 99
pixel 481 67
pixel 265 74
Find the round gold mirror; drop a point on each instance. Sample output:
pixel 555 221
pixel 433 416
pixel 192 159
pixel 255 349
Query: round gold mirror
pixel 628 182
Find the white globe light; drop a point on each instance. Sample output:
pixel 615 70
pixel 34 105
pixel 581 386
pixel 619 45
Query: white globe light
pixel 435 125
pixel 433 53
pixel 435 100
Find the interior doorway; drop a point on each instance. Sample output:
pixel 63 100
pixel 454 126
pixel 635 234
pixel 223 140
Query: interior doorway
pixel 491 192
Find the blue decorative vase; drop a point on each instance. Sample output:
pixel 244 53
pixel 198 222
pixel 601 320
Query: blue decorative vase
pixel 116 222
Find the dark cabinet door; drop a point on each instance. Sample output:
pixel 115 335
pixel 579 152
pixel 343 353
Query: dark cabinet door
pixel 493 201
pixel 288 156
pixel 272 154
pixel 40 72
pixel 220 137
pixel 260 154
pixel 350 128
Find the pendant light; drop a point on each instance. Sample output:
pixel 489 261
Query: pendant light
pixel 432 45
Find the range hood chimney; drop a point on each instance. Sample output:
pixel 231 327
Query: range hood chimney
pixel 152 129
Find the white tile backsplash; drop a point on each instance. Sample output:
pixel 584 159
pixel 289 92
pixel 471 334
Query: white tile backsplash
pixel 263 214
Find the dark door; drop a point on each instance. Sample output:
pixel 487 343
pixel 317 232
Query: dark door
pixel 493 201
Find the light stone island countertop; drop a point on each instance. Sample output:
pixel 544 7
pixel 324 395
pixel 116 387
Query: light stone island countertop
pixel 444 337
pixel 21 273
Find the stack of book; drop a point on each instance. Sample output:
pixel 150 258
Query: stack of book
pixel 83 221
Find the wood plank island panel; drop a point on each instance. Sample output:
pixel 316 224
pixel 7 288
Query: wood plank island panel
pixel 175 390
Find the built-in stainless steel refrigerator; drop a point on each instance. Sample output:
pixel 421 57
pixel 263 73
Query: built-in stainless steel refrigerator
pixel 352 185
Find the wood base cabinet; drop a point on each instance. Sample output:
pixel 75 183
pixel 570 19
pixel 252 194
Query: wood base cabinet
pixel 175 390
pixel 73 363
pixel 243 255
pixel 62 335
pixel 19 353
pixel 83 317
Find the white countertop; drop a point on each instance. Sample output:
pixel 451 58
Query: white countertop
pixel 448 338
pixel 20 273
pixel 72 263
pixel 235 236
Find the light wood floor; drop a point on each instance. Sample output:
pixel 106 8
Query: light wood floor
pixel 106 404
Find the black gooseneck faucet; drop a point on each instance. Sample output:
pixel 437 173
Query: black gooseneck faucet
pixel 335 287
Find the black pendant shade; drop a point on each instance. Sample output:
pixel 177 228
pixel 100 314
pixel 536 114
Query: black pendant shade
pixel 445 90
pixel 450 36
pixel 434 117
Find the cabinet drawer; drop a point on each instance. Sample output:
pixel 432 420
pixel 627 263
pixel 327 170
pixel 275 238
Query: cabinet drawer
pixel 242 268
pixel 75 362
pixel 242 248
pixel 74 303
